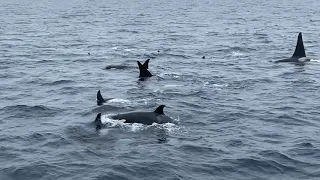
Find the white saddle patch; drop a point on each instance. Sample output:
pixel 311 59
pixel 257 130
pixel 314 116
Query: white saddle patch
pixel 303 59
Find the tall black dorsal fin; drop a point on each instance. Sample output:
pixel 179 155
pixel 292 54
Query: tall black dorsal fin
pixel 299 52
pixel 100 99
pixel 159 109
pixel 143 71
pixel 146 64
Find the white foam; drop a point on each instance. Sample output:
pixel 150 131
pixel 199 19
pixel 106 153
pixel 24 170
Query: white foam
pixel 105 119
pixel 136 127
pixel 168 87
pixel 158 91
pixel 315 60
pixel 173 74
pixel 237 54
pixel 172 85
pixel 122 101
pixel 205 83
pixel 219 85
pixel 170 127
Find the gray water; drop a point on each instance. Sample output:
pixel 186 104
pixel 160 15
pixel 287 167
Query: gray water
pixel 237 114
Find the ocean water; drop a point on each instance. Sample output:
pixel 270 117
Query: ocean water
pixel 237 114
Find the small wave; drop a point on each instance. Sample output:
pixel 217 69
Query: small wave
pixel 7 154
pixel 196 149
pixel 166 91
pixel 45 139
pixel 35 170
pixel 118 67
pixel 59 82
pixel 305 145
pixel 294 120
pixel 182 56
pixel 242 84
pixel 128 31
pixel 282 158
pixel 235 143
pixel 308 151
pixel 23 111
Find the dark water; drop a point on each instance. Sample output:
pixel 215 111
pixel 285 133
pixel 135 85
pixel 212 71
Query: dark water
pixel 238 115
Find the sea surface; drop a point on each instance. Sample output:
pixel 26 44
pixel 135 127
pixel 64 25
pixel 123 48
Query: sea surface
pixel 237 115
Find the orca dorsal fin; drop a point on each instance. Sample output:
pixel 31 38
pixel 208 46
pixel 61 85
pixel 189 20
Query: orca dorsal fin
pixel 143 71
pixel 146 64
pixel 299 51
pixel 98 122
pixel 98 118
pixel 100 99
pixel 159 109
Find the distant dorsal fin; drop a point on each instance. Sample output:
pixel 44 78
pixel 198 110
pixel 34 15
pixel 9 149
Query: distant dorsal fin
pixel 100 99
pixel 146 64
pixel 143 71
pixel 159 109
pixel 299 51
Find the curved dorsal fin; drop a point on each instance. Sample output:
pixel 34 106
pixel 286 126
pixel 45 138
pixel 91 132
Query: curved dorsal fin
pixel 146 64
pixel 159 109
pixel 100 99
pixel 299 51
pixel 143 71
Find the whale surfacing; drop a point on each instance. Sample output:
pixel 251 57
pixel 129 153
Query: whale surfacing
pixel 147 118
pixel 299 55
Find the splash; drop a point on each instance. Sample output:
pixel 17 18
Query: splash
pixel 108 122
pixel 315 60
pixel 122 101
pixel 237 54
pixel 172 85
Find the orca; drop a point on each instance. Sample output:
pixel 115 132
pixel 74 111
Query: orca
pixel 100 99
pixel 145 64
pixel 143 70
pixel 299 55
pixel 98 122
pixel 147 118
